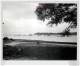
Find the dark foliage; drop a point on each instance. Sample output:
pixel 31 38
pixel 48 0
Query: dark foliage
pixel 66 33
pixel 5 38
pixel 57 12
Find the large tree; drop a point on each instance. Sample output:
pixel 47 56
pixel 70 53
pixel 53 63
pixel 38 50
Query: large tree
pixel 57 13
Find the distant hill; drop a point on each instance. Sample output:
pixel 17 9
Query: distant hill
pixel 72 33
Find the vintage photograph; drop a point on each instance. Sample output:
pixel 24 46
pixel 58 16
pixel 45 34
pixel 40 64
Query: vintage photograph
pixel 39 31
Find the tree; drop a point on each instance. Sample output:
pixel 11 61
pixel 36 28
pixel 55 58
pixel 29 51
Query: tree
pixel 56 12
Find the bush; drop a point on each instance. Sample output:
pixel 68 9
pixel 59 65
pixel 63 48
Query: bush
pixel 5 38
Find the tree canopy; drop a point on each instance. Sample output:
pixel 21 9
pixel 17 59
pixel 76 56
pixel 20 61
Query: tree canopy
pixel 56 12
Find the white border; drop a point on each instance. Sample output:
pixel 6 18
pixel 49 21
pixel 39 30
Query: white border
pixel 38 62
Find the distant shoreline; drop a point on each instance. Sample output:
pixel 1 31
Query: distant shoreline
pixel 23 40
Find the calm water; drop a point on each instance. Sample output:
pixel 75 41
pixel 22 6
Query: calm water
pixel 46 38
pixel 40 53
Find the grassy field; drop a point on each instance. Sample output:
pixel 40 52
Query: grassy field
pixel 39 50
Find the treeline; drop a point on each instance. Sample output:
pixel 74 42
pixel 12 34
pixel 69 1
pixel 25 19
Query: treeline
pixel 72 33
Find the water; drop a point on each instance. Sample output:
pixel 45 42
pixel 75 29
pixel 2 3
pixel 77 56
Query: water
pixel 72 38
pixel 40 53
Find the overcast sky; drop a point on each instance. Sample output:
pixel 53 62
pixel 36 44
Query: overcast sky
pixel 20 18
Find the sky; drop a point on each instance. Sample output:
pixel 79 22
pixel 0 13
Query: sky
pixel 20 18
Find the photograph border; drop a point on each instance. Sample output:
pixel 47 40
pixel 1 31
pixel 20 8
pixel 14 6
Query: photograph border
pixel 43 62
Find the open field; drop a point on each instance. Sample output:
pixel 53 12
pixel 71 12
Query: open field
pixel 39 50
